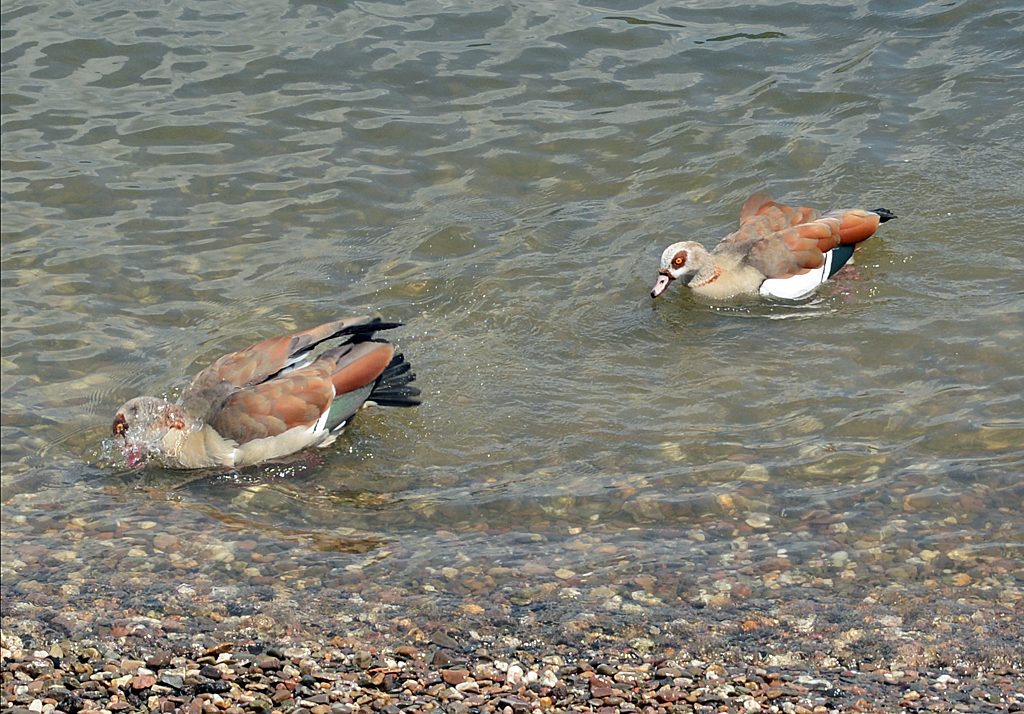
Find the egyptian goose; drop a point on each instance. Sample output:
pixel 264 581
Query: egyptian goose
pixel 778 251
pixel 268 401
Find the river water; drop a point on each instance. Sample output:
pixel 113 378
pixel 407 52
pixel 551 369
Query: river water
pixel 188 178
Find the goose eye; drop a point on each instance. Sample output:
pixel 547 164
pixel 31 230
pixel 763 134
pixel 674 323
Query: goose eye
pixel 678 261
pixel 120 425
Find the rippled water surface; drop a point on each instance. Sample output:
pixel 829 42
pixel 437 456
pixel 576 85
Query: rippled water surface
pixel 185 179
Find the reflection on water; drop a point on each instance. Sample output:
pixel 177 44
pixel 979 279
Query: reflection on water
pixel 181 181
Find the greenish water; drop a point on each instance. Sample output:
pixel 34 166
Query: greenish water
pixel 184 180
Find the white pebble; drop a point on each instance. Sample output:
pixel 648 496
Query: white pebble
pixel 514 675
pixel 758 520
pixel 548 678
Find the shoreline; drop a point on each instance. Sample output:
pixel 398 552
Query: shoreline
pixel 425 654
pixel 720 616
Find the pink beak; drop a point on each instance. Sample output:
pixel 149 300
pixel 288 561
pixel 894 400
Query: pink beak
pixel 135 457
pixel 661 285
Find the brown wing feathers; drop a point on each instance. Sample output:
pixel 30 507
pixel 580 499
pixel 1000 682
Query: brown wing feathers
pixel 753 206
pixel 356 365
pixel 856 226
pixel 782 240
pixel 265 389
pixel 301 397
pixel 265 359
pixel 761 205
pixel 295 399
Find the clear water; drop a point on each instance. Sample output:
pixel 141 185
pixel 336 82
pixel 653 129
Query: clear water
pixel 186 179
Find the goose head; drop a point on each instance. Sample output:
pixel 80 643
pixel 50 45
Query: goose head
pixel 680 261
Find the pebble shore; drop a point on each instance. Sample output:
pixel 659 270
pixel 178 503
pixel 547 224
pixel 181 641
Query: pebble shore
pixel 444 674
pixel 159 608
pixel 340 654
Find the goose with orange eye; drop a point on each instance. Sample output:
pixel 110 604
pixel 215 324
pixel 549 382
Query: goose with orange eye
pixel 270 400
pixel 778 251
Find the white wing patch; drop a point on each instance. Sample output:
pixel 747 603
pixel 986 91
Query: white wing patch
pixel 797 286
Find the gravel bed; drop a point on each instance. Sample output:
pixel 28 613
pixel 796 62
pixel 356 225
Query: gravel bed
pixel 442 674
pixel 159 608
pixel 764 656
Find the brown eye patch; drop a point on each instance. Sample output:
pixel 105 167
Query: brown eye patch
pixel 679 260
pixel 120 425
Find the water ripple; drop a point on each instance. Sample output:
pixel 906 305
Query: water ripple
pixel 179 181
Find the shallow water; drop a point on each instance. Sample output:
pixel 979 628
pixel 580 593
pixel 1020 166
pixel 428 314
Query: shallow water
pixel 188 179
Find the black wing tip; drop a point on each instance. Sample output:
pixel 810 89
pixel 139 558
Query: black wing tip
pixel 396 397
pixel 392 388
pixel 374 325
pixel 396 370
pixel 884 214
pixel 396 375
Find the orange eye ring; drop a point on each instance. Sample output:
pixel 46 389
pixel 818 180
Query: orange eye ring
pixel 120 425
pixel 678 261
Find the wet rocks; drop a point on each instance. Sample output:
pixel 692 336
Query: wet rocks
pixel 725 603
pixel 327 679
